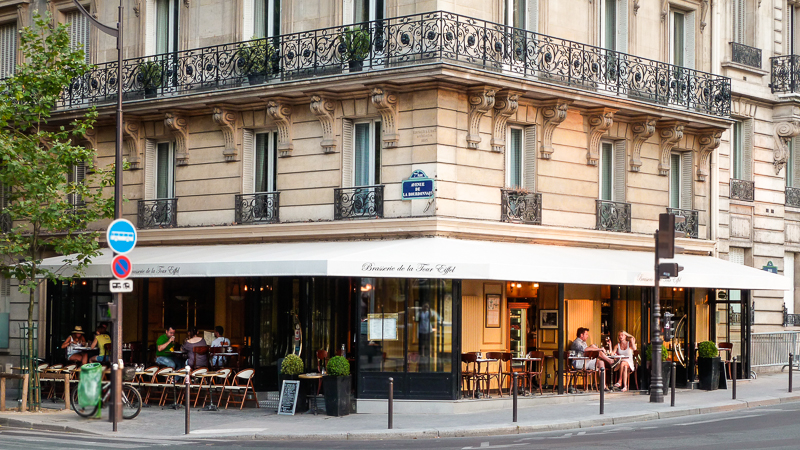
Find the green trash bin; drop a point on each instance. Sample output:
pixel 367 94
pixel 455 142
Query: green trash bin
pixel 90 385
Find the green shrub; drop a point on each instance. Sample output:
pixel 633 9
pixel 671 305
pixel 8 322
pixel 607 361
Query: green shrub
pixel 338 366
pixel 707 349
pixel 355 43
pixel 292 365
pixel 256 56
pixel 648 352
pixel 150 72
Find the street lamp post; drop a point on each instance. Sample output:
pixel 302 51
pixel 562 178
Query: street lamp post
pixel 116 318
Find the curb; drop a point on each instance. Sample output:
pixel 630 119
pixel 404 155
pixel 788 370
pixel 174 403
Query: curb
pixel 17 423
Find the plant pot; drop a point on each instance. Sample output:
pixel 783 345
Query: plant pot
pixel 256 78
pixel 150 92
pixel 356 66
pixel 708 373
pixel 337 395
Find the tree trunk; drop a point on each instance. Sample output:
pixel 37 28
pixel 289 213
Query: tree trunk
pixel 33 378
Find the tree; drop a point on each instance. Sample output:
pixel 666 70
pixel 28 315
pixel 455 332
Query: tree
pixel 46 208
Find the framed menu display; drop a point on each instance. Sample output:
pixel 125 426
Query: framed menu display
pixel 492 310
pixel 382 327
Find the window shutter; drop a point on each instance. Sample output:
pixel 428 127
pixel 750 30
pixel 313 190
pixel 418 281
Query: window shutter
pixel 80 176
pixel 622 26
pixel 79 32
pixel 151 10
pixel 5 287
pixel 619 171
pixel 529 158
pixel 686 180
pixel 348 12
pixel 736 255
pixel 689 40
pixel 747 150
pixel 347 152
pixel 795 149
pixel 533 15
pixel 248 162
pixel 150 169
pixel 8 49
pixel 738 21
pixel 248 19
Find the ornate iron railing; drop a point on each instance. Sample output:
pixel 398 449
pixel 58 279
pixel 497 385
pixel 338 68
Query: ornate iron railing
pixel 409 40
pixel 520 206
pixel 690 226
pixel 160 213
pixel 613 216
pixel 785 74
pixel 261 207
pixel 742 190
pixel 363 202
pixel 793 197
pixel 744 54
pixel 790 320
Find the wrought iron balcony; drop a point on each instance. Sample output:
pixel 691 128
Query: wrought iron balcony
pixel 261 207
pixel 363 202
pixel 691 225
pixel 520 206
pixel 160 213
pixel 793 197
pixel 744 54
pixel 613 216
pixel 742 190
pixel 402 41
pixel 790 320
pixel 785 74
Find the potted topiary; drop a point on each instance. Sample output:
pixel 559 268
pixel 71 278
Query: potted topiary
pixel 708 362
pixel 255 58
pixel 354 46
pixel 291 367
pixel 337 386
pixel 666 365
pixel 150 76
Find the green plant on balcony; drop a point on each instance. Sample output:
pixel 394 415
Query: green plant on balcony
pixel 150 73
pixel 255 58
pixel 354 44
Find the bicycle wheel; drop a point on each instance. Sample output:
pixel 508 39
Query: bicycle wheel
pixel 83 412
pixel 131 402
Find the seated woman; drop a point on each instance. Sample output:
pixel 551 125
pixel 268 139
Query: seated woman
pixel 72 343
pixel 195 339
pixel 626 345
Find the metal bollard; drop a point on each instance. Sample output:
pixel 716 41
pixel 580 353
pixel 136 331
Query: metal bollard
pixel 516 377
pixel 391 401
pixel 733 376
pixel 791 362
pixel 602 389
pixel 113 404
pixel 672 383
pixel 187 382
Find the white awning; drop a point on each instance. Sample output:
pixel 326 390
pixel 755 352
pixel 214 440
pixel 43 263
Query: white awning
pixel 431 258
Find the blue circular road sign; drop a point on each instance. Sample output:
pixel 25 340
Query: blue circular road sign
pixel 121 236
pixel 121 267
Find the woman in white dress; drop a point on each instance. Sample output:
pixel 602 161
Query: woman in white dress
pixel 626 345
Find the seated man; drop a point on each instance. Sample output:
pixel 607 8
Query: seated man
pixel 219 341
pixel 101 338
pixel 579 345
pixel 164 346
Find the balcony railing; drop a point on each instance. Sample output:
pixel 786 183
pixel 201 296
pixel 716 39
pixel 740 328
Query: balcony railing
pixel 520 206
pixel 785 74
pixel 613 216
pixel 790 320
pixel 364 202
pixel 744 54
pixel 793 197
pixel 402 41
pixel 261 207
pixel 742 190
pixel 691 225
pixel 160 213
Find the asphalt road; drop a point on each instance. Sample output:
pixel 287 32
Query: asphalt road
pixel 773 427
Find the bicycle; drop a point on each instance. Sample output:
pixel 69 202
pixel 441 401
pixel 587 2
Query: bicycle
pixel 131 402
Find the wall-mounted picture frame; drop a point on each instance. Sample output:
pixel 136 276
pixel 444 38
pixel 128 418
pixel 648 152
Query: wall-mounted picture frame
pixel 548 318
pixel 492 311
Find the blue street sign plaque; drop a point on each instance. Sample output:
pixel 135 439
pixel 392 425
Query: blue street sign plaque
pixel 121 236
pixel 770 267
pixel 418 186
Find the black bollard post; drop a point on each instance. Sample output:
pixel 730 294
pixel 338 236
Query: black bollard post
pixel 733 377
pixel 602 389
pixel 187 382
pixel 391 401
pixel 516 376
pixel 791 362
pixel 672 383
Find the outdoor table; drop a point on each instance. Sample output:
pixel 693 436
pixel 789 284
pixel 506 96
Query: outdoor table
pixel 203 376
pixel 312 377
pixel 173 375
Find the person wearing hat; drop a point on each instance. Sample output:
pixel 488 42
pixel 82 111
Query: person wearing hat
pixel 72 343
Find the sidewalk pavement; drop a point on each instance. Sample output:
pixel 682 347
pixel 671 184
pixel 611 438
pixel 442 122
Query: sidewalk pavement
pixel 575 411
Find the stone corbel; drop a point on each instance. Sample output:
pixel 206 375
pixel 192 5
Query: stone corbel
pixel 709 141
pixel 137 9
pixel 670 133
pixel 281 113
pixel 179 127
pixel 664 9
pixel 324 109
pixel 505 105
pixel 553 112
pixel 636 7
pixel 227 121
pixel 643 128
pixel 600 120
pixel 23 15
pixel 385 102
pixel 784 131
pixel 703 14
pixel 90 141
pixel 133 143
pixel 481 100
pixel 186 3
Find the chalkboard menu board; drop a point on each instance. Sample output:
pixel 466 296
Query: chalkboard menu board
pixel 288 400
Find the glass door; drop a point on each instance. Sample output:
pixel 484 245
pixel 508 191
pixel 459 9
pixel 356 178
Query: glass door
pixel 518 317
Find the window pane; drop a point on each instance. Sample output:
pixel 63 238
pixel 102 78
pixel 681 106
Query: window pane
pixel 606 171
pixel 262 162
pixel 275 20
pixel 382 302
pixel 736 157
pixel 162 26
pixel 376 170
pixel 790 164
pixel 678 38
pixel 259 19
pixel 610 25
pixel 675 181
pixel 361 155
pixel 515 159
pixel 430 326
pixel 163 171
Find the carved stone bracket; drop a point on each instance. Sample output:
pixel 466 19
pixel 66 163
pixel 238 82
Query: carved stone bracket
pixel 133 143
pixel 600 120
pixel 643 128
pixel 481 100
pixel 670 133
pixel 385 102
pixel 784 131
pixel 505 105
pixel 227 121
pixel 324 108
pixel 553 112
pixel 703 14
pixel 137 9
pixel 636 7
pixel 709 141
pixel 281 113
pixel 179 128
pixel 664 9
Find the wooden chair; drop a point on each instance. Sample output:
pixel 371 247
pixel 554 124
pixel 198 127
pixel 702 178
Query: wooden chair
pixel 593 373
pixel 213 358
pixel 238 358
pixel 532 373
pixel 728 348
pixel 494 374
pixel 136 352
pixel 199 351
pixel 468 375
pixel 635 371
pixel 570 373
pixel 242 383
pixel 322 359
pixel 507 370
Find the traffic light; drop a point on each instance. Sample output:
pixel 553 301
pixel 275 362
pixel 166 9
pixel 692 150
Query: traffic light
pixel 669 329
pixel 669 270
pixel 666 248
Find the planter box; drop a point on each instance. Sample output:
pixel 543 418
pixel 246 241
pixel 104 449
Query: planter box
pixel 708 373
pixel 337 395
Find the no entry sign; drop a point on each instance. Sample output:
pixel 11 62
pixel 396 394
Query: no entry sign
pixel 121 267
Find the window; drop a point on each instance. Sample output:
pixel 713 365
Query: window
pixel 741 150
pixel 682 38
pixel 614 25
pixel 166 26
pixel 514 158
pixel 680 180
pixel 76 175
pixel 742 27
pixel 368 10
pixel 367 153
pixel 165 170
pixel 8 49
pixel 78 29
pixel 521 158
pixel 612 171
pixel 266 156
pixel 789 272
pixel 262 18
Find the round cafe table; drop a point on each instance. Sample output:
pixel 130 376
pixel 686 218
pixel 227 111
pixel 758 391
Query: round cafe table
pixel 314 376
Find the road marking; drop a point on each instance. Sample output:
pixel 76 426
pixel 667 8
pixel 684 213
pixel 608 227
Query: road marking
pixel 719 420
pixel 229 430
pixel 486 445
